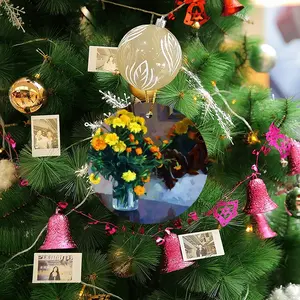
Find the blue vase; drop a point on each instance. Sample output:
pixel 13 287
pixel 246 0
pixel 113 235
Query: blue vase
pixel 124 199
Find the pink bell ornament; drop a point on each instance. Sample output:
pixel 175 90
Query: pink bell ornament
pixel 263 229
pixel 259 200
pixel 58 233
pixel 294 159
pixel 172 257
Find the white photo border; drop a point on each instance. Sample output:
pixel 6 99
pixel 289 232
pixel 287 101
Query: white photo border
pixel 93 58
pixel 45 152
pixel 217 241
pixel 76 267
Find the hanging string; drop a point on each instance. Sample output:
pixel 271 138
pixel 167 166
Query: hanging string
pixel 152 19
pixel 102 290
pixel 142 10
pixel 217 91
pixel 45 227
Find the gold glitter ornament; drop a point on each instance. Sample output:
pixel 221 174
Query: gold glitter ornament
pixel 252 137
pixel 27 95
pixel 121 263
pixel 196 25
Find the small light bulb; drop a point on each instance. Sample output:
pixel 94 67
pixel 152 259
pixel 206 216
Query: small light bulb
pixel 249 228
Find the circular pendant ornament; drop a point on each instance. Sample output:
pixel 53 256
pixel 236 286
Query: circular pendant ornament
pixel 263 59
pixel 149 56
pixel 27 95
pixel 121 263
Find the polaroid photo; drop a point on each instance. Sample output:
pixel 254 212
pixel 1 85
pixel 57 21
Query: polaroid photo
pixel 45 135
pixel 103 59
pixel 57 267
pixel 201 245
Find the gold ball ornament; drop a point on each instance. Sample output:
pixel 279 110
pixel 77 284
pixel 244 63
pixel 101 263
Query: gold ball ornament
pixel 27 95
pixel 121 263
pixel 144 96
pixel 196 25
pixel 149 56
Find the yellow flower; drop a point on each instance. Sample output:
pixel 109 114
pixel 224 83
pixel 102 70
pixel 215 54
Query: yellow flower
pixel 139 151
pixel 109 120
pixel 139 190
pixel 165 142
pixel 98 143
pixel 119 147
pixel 145 129
pixel 181 128
pixel 125 119
pixel 134 127
pixel 117 122
pixel 97 132
pixel 122 112
pixel 111 139
pixel 147 179
pixel 94 179
pixel 187 122
pixel 140 120
pixel 129 176
pixel 125 112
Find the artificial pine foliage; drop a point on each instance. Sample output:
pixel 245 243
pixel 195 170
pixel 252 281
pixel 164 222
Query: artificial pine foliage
pixel 62 35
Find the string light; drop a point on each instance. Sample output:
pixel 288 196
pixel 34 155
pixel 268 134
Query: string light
pixel 249 228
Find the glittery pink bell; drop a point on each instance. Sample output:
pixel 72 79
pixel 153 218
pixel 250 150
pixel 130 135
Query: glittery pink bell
pixel 58 233
pixel 294 159
pixel 259 200
pixel 262 227
pixel 173 260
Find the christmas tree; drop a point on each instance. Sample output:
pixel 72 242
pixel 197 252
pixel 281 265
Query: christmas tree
pixel 54 115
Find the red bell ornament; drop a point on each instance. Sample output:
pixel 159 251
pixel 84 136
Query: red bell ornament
pixel 231 7
pixel 258 201
pixel 263 229
pixel 294 159
pixel 58 233
pixel 173 260
pixel 195 13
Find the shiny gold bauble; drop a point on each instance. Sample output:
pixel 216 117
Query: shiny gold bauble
pixel 27 96
pixel 144 96
pixel 121 263
pixel 196 25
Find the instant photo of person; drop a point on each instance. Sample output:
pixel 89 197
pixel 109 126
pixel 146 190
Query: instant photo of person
pixel 102 59
pixel 45 132
pixel 57 267
pixel 201 245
